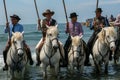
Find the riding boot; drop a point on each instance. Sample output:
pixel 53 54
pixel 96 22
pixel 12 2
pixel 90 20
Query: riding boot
pixel 66 48
pixel 5 68
pixel 38 50
pixel 29 56
pixel 38 60
pixel 87 60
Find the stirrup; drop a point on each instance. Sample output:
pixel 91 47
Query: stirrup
pixel 5 68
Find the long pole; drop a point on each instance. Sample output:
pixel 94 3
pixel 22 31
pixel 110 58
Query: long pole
pixel 37 14
pixel 97 4
pixel 65 10
pixel 6 17
pixel 66 15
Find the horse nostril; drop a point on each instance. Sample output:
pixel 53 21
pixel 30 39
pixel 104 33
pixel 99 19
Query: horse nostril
pixel 55 47
pixel 77 59
pixel 20 55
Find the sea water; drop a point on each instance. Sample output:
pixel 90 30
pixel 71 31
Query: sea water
pixel 32 37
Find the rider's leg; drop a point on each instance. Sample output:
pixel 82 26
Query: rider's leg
pixel 38 49
pixel 28 52
pixel 62 50
pixel 5 55
pixel 90 44
pixel 66 47
pixel 87 61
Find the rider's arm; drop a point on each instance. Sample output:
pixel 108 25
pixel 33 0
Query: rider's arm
pixel 7 28
pixel 81 30
pixel 21 29
pixel 38 25
pixel 67 28
pixel 116 23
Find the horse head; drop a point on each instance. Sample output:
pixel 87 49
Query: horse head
pixel 52 35
pixel 76 46
pixel 109 36
pixel 18 42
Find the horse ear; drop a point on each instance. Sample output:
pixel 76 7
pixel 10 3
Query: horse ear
pixel 13 33
pixel 71 37
pixel 103 34
pixel 56 25
pixel 22 32
pixel 47 26
pixel 81 36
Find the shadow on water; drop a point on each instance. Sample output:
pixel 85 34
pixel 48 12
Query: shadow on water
pixel 35 73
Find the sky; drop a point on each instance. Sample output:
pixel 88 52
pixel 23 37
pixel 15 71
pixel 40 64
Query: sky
pixel 84 8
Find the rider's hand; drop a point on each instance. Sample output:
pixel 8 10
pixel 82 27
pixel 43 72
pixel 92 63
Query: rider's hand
pixel 39 24
pixel 67 28
pixel 7 24
pixel 101 25
pixel 94 23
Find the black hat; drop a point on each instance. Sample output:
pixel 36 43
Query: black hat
pixel 48 11
pixel 15 16
pixel 73 15
pixel 98 10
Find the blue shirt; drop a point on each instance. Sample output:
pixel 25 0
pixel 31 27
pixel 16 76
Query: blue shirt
pixel 17 28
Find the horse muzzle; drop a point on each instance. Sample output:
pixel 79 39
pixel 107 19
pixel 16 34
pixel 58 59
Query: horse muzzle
pixel 20 52
pixel 55 47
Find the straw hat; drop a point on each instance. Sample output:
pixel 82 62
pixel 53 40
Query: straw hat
pixel 48 12
pixel 15 16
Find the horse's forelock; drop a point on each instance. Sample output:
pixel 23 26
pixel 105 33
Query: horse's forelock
pixel 17 36
pixel 106 31
pixel 76 41
pixel 53 30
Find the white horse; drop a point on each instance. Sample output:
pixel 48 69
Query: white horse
pixel 103 45
pixel 76 55
pixel 50 54
pixel 16 57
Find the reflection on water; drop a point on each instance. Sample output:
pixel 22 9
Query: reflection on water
pixel 35 73
pixel 32 37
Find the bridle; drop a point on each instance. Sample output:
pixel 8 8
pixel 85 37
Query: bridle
pixel 79 51
pixel 16 63
pixel 108 43
pixel 53 51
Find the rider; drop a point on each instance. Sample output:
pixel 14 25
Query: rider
pixel 99 22
pixel 47 21
pixel 15 27
pixel 117 23
pixel 74 28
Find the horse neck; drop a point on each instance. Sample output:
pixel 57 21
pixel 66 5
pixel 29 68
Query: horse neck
pixel 103 45
pixel 48 44
pixel 13 52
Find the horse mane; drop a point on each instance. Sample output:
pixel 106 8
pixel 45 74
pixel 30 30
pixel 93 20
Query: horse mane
pixel 107 30
pixel 53 29
pixel 16 35
pixel 76 40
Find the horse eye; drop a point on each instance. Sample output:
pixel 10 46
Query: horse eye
pixel 15 42
pixel 108 36
pixel 50 34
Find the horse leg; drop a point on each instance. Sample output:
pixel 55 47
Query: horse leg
pixel 81 68
pixel 106 68
pixel 71 68
pixel 44 68
pixel 97 67
pixel 56 69
pixel 11 74
pixel 23 71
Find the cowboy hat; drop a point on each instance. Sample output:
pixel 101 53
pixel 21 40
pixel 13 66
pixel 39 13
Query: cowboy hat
pixel 48 12
pixel 73 15
pixel 15 16
pixel 98 10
